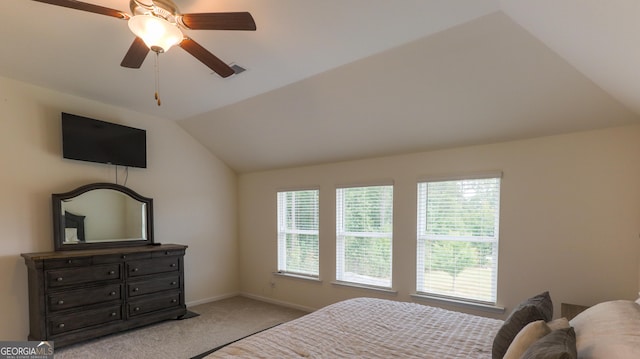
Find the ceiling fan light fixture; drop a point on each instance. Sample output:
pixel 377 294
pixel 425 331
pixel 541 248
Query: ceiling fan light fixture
pixel 157 33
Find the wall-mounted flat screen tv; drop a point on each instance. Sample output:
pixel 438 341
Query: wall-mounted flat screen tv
pixel 87 139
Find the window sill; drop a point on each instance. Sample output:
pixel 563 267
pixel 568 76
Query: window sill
pixel 297 276
pixel 461 303
pixel 364 286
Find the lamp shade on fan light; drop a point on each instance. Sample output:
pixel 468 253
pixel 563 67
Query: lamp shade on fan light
pixel 157 33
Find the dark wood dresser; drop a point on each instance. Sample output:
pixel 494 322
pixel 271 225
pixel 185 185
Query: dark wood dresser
pixel 82 294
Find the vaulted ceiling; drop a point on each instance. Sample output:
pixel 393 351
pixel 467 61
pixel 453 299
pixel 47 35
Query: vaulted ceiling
pixel 334 80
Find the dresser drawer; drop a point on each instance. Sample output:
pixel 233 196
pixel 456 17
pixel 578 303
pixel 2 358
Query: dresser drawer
pixel 79 320
pixel 142 306
pixel 152 266
pixel 157 284
pixel 173 252
pixel 81 297
pixel 115 258
pixel 67 262
pixel 62 277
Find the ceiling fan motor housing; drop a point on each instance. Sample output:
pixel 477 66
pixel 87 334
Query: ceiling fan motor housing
pixel 164 7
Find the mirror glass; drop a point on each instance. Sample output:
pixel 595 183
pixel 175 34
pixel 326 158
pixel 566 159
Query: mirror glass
pixel 101 215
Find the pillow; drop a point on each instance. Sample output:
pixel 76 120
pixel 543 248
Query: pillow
pixel 543 302
pixel 527 336
pixel 559 344
pixel 538 307
pixel 560 323
pixel 71 235
pixel 608 330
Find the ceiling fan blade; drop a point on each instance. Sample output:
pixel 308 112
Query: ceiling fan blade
pixel 219 21
pixel 207 58
pixel 83 6
pixel 136 54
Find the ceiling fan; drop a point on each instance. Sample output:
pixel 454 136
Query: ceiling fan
pixel 157 25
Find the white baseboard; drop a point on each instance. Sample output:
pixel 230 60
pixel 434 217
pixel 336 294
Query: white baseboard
pixel 278 302
pixel 212 299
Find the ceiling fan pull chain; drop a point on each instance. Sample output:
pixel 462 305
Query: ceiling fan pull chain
pixel 157 75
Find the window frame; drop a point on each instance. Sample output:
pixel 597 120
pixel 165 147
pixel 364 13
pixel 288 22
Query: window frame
pixel 342 233
pixel 283 231
pixel 422 237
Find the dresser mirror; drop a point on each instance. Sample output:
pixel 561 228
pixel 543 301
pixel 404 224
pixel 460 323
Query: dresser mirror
pixel 101 215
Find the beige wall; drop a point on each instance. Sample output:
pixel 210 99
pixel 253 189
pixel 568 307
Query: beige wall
pixel 570 218
pixel 194 193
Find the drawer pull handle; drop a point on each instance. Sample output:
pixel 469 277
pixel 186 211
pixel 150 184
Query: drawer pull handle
pixel 136 289
pixel 137 309
pixel 59 279
pixel 124 256
pixel 70 261
pixel 135 269
pixel 112 272
pixel 174 300
pixel 113 314
pixel 112 293
pixel 166 253
pixel 61 302
pixel 61 325
pixel 174 283
pixel 172 265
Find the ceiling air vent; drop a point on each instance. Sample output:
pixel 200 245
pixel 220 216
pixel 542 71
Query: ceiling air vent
pixel 237 69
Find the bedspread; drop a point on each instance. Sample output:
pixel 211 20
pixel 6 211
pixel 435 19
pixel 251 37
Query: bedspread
pixel 372 328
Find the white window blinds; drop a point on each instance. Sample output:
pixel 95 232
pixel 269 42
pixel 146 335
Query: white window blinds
pixel 458 224
pixel 364 222
pixel 298 251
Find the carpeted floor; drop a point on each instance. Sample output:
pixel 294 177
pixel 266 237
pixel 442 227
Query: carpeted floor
pixel 219 323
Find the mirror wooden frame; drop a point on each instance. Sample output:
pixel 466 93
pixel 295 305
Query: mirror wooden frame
pixel 59 219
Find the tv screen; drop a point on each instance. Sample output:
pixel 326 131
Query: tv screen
pixel 92 140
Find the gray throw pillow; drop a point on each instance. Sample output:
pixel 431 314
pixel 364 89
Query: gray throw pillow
pixel 538 307
pixel 559 344
pixel 543 302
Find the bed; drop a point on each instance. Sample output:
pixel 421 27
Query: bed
pixel 376 328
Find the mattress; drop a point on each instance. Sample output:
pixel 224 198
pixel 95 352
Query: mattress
pixel 372 328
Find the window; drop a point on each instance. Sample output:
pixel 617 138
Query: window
pixel 364 221
pixel 298 251
pixel 458 238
